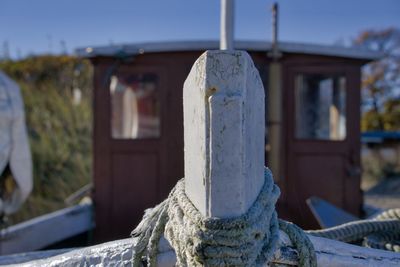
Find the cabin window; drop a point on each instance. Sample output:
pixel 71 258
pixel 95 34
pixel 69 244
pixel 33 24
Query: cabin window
pixel 135 106
pixel 320 106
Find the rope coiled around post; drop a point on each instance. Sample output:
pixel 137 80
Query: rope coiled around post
pixel 247 240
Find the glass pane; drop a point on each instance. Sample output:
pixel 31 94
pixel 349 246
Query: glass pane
pixel 320 107
pixel 135 106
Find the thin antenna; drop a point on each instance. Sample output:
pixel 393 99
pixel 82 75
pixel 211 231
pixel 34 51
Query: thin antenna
pixel 226 38
pixel 6 50
pixel 64 50
pixel 50 42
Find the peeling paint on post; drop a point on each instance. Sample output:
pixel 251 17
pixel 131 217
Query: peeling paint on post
pixel 224 133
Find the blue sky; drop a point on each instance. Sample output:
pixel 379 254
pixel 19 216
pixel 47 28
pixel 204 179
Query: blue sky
pixel 38 26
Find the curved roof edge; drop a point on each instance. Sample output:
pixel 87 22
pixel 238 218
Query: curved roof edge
pixel 285 47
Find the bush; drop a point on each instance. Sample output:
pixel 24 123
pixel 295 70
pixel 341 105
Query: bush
pixel 59 129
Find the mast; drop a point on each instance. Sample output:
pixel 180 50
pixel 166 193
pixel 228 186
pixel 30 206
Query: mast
pixel 275 153
pixel 226 34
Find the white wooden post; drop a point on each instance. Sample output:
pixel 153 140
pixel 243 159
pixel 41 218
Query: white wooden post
pixel 224 118
pixel 227 28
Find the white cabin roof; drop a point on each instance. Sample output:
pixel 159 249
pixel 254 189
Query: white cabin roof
pixel 260 46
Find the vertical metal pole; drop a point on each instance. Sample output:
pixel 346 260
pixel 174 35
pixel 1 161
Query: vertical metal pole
pixel 226 37
pixel 275 152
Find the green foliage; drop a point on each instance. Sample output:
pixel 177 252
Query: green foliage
pixel 59 129
pixel 381 80
pixel 391 115
pixel 388 118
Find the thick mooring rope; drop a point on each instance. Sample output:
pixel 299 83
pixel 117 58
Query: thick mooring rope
pixel 247 240
pixel 381 232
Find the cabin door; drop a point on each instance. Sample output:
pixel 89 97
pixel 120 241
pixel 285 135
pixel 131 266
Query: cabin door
pixel 323 139
pixel 129 146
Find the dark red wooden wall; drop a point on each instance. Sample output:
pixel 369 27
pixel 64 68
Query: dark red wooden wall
pixel 132 175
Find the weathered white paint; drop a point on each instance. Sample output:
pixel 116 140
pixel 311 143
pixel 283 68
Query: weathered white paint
pixel 338 254
pixel 46 230
pixel 224 121
pixel 330 253
pixel 31 256
pixel 115 253
pixel 227 24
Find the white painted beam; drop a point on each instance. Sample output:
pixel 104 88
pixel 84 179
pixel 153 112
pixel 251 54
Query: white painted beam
pixel 46 230
pixel 224 117
pixel 119 253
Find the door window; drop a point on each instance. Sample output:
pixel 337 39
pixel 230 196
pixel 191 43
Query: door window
pixel 135 106
pixel 320 106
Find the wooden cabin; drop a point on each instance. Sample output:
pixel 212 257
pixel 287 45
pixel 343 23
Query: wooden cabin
pixel 138 126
